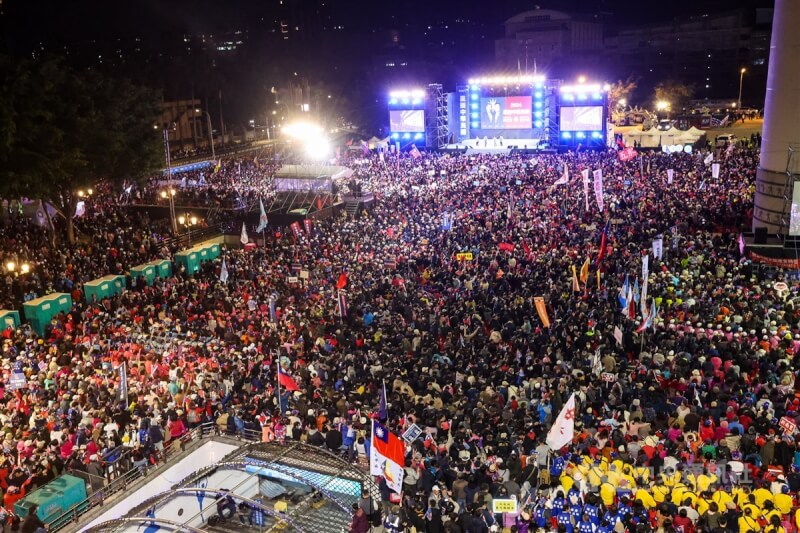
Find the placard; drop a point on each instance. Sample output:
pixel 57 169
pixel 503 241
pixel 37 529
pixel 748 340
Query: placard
pixel 293 279
pixel 464 256
pixel 787 425
pixel 304 274
pixel 412 433
pixel 608 377
pixel 504 505
pixel 17 381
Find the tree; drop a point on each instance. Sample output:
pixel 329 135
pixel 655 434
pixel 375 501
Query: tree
pixel 64 131
pixel 674 93
pixel 619 93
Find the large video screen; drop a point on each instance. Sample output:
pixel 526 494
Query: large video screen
pixel 794 220
pixel 581 118
pixel 407 121
pixel 506 113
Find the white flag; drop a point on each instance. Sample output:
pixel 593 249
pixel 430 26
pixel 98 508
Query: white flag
pixel 670 174
pixel 618 335
pixel 585 175
pixel 709 158
pixel 645 266
pixel 223 273
pixel 564 179
pixel 244 239
pixel 658 247
pixel 598 188
pixel 563 430
pixel 715 170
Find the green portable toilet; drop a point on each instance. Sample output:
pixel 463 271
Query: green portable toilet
pixel 8 319
pixel 188 259
pixel 148 272
pixel 39 311
pixel 204 251
pixel 96 290
pixel 163 268
pixel 117 284
pixel 53 499
pixel 215 249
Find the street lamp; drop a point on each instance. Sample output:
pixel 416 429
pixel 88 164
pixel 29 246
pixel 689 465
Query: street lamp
pixel 169 195
pixel 210 131
pixel 741 77
pixel 188 221
pixel 17 269
pixel 169 180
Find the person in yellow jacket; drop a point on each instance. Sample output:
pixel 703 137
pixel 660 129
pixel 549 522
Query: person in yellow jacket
pixel 660 491
pixel 762 495
pixel 645 497
pixel 783 502
pixel 671 477
pixel 676 497
pixel 721 497
pixel 607 493
pixel 747 522
pixel 705 480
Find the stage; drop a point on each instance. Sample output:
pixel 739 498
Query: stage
pixel 496 145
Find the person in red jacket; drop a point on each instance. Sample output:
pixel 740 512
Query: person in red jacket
pixel 359 524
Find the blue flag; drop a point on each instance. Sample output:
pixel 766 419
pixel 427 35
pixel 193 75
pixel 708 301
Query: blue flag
pixel 383 412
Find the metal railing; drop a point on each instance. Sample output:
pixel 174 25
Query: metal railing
pixel 122 480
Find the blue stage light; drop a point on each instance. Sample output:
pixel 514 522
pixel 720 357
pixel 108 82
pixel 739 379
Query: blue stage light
pixel 416 101
pixel 538 124
pixel 474 96
pixel 566 135
pixel 580 135
pixel 418 136
pixel 597 96
pixel 537 114
pixel 393 101
pixel 406 136
pixel 597 135
pixel 474 87
pixel 395 135
pixel 581 96
pixel 405 101
pixel 537 94
pixel 475 115
pixel 537 105
pixel 568 97
pixel 475 124
pixel 473 105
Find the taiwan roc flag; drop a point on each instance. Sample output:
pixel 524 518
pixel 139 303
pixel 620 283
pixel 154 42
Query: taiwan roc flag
pixel 387 457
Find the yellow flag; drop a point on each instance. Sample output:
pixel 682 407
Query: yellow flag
pixel 219 165
pixel 576 287
pixel 585 271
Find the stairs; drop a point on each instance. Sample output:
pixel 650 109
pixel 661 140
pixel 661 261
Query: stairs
pixel 351 207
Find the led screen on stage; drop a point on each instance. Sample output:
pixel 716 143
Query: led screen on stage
pixel 582 118
pixel 506 113
pixel 407 121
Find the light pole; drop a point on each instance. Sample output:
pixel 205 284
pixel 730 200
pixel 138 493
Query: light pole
pixel 17 269
pixel 741 77
pixel 169 180
pixel 188 221
pixel 169 195
pixel 210 131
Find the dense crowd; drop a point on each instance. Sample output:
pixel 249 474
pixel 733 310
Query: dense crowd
pixel 677 425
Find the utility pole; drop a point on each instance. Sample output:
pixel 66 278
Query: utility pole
pixel 221 119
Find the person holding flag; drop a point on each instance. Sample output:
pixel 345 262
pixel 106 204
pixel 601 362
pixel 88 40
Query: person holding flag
pixel 387 457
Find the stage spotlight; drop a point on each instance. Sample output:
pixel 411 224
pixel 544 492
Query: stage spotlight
pixel 302 130
pixel 475 124
pixel 474 96
pixel 597 135
pixel 569 97
pixel 537 94
pixel 538 123
pixel 537 114
pixel 318 148
pixel 406 136
pixel 580 135
pixel 417 136
pixel 475 115
pixel 393 101
pixel 473 105
pixel 404 101
pixel 537 105
pixel 596 96
pixel 416 101
pixel 566 135
pixel 581 96
pixel 395 135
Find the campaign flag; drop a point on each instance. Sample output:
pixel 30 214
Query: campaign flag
pixel 598 278
pixel 383 412
pixel 648 317
pixel 510 213
pixel 255 162
pixel 643 297
pixel 636 295
pixel 629 301
pixel 447 221
pixel 526 248
pixel 741 245
pixel 585 271
pixel 296 229
pixel 123 384
pixel 622 296
pixel 387 456
pixel 645 266
pixel 380 156
pixel 285 380
pixel 715 170
pixel 262 219
pixel 598 188
pixel 563 430
pixel 415 152
pixel 603 244
pixel 506 246
pixel 341 283
pixel 585 176
pixel 670 174
pixel 658 247
pixel 218 166
pixel 307 224
pixel 541 309
pixel 626 154
pixel 364 148
pixel 576 287
pixel 675 237
pixel 709 158
pixel 342 303
pixel 564 179
pixel 244 239
pixel 223 273
pixel 80 209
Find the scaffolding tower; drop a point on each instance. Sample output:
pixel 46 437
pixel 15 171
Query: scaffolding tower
pixel 436 127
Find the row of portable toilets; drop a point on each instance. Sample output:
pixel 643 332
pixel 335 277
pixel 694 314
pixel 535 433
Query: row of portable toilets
pixel 39 312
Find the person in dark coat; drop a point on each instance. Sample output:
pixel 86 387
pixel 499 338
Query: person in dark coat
pixel 359 524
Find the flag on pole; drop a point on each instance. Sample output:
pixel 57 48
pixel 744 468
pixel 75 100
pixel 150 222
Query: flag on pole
pixel 622 296
pixel 415 152
pixel 636 291
pixel 670 175
pixel 341 283
pixel 387 456
pixel 541 309
pixel 715 170
pixel 342 303
pixel 709 158
pixel 741 245
pixel 262 219
pixel 383 412
pixel 223 273
pixel 296 229
pixel 598 188
pixel 244 239
pixel 585 271
pixel 218 166
pixel 563 430
pixel 123 384
pixel 643 298
pixel 576 287
pixel 603 244
pixel 286 381
pixel 364 148
pixel 564 179
pixel 658 247
pixel 585 176
pixel 510 214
